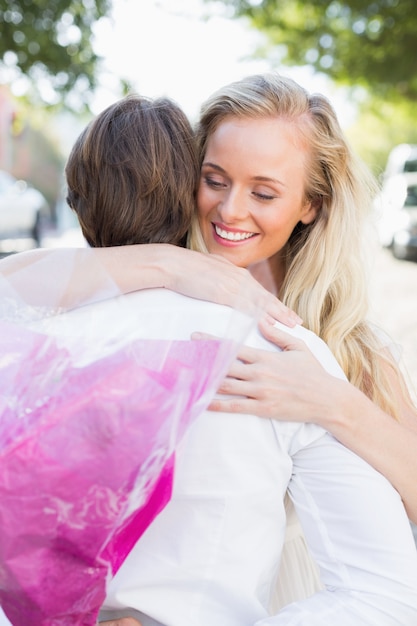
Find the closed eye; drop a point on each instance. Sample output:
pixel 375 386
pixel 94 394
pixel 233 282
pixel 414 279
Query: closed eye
pixel 263 196
pixel 213 183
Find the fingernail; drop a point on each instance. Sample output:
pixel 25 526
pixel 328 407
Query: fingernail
pixel 297 319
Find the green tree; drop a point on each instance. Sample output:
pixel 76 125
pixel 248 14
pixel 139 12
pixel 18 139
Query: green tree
pixel 379 126
pixel 49 42
pixel 371 43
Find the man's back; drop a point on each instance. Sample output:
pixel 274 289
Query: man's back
pixel 211 556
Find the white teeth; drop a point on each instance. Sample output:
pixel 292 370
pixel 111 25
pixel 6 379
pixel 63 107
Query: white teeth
pixel 224 234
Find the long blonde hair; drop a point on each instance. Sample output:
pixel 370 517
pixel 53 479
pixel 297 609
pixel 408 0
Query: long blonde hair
pixel 325 276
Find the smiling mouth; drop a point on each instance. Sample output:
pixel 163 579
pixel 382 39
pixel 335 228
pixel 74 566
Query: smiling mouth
pixel 232 236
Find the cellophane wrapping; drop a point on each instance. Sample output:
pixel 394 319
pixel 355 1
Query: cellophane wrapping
pixel 90 416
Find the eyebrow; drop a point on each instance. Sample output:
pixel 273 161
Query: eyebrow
pixel 268 179
pixel 260 179
pixel 214 166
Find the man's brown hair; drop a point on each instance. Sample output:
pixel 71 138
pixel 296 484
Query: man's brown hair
pixel 132 174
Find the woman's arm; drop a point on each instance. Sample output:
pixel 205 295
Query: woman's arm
pixel 292 386
pixel 73 277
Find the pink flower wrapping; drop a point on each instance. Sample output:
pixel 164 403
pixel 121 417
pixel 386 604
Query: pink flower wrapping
pixel 86 462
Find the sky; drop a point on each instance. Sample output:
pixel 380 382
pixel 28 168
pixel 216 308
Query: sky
pixel 175 52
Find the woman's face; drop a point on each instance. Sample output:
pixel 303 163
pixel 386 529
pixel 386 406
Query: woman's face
pixel 251 192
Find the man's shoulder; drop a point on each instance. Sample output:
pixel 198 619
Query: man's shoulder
pixel 317 346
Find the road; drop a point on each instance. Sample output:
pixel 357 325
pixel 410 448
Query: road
pixel 394 307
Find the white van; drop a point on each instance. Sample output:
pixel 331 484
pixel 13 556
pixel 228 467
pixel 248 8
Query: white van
pixel 401 159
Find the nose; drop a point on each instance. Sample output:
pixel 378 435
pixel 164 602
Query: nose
pixel 232 207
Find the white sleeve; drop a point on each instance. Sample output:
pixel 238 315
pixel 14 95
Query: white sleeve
pixel 358 532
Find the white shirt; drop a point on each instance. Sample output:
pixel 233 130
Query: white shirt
pixel 211 556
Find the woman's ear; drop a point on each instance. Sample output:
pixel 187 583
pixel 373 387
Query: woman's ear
pixel 311 209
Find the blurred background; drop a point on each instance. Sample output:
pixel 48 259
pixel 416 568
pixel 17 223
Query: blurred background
pixel 63 61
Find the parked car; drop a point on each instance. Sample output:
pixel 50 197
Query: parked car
pixel 21 209
pixel 397 215
pixel 401 159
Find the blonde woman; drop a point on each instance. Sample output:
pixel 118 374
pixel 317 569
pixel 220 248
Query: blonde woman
pixel 319 271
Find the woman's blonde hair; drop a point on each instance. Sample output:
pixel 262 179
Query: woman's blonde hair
pixel 325 269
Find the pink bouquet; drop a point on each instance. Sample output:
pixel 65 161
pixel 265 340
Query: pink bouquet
pixel 87 455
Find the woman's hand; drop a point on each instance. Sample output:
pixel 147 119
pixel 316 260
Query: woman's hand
pixel 293 386
pixel 211 277
pixel 290 385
